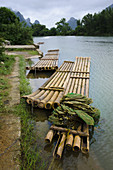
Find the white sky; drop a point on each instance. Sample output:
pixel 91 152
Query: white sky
pixel 48 12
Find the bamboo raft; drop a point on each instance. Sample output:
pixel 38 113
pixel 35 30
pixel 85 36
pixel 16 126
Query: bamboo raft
pixel 78 139
pixel 49 94
pixel 69 78
pixel 48 62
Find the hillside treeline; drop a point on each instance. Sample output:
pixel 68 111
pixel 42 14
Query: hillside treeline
pixel 100 24
pixel 12 29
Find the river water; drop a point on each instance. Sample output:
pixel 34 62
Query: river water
pixel 100 49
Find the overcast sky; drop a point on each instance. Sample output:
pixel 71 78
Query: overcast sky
pixel 48 12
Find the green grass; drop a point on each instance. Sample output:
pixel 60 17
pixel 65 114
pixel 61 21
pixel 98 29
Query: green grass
pixel 31 158
pixel 30 154
pixel 31 52
pixel 24 83
pixel 6 64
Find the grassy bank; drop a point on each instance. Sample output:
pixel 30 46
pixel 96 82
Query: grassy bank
pixel 31 52
pixel 30 157
pixel 6 65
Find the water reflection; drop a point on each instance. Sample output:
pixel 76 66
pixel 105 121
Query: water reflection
pixel 101 90
pixel 39 74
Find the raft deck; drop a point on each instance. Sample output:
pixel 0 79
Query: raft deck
pixel 48 62
pixel 77 139
pixel 69 78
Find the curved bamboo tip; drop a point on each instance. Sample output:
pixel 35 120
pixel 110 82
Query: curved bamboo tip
pixel 76 148
pixel 77 143
pixel 35 102
pixel 49 136
pixel 69 142
pixel 48 105
pixel 25 97
pixel 85 150
pixel 55 105
pixel 29 100
pixel 41 104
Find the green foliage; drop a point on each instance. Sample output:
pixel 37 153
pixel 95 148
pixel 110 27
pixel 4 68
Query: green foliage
pixel 24 83
pixel 100 24
pixel 1 46
pixel 6 63
pixel 12 30
pixel 63 28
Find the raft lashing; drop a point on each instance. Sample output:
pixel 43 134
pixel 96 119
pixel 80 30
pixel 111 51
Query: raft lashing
pixel 74 140
pixel 71 77
pixel 48 62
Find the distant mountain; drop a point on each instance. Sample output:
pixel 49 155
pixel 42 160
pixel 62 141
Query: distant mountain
pixel 111 6
pixel 21 17
pixel 72 23
pixel 36 22
pixel 28 22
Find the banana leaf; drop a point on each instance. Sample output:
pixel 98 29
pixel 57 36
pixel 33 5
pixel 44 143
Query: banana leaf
pixel 85 117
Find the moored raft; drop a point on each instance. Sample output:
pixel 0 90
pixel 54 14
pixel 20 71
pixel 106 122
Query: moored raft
pixel 69 78
pixel 48 62
pixel 54 87
pixel 76 139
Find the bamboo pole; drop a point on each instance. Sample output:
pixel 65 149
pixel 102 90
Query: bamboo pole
pixel 69 142
pixel 87 81
pixel 58 141
pixel 48 105
pixel 85 140
pixel 80 80
pixel 77 141
pixel 74 132
pixel 42 103
pixel 49 136
pixel 84 80
pixel 48 83
pixel 61 146
pixel 57 101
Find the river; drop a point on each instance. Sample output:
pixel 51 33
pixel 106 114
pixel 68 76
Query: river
pixel 100 49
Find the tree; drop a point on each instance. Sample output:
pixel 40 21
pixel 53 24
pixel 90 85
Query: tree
pixel 63 28
pixel 1 46
pixel 52 31
pixel 12 30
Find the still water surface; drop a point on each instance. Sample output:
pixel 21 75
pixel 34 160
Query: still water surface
pixel 100 49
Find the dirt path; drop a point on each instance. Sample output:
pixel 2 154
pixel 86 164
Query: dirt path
pixel 10 127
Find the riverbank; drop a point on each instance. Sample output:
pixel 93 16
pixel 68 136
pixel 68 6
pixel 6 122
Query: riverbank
pixel 16 122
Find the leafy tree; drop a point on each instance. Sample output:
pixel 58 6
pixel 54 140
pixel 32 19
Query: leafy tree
pixel 63 28
pixel 1 46
pixel 97 24
pixel 53 31
pixel 11 28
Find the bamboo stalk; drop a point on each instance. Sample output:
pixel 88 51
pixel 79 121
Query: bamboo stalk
pixel 49 104
pixel 69 142
pixel 77 141
pixel 49 136
pixel 75 132
pixel 61 146
pixel 42 103
pixel 87 81
pixel 57 101
pixel 58 141
pixel 85 140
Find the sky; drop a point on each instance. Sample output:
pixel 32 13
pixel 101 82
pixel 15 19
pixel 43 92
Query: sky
pixel 48 12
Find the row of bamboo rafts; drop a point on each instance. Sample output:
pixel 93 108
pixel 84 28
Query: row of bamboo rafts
pixel 69 78
pixel 78 139
pixel 48 62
